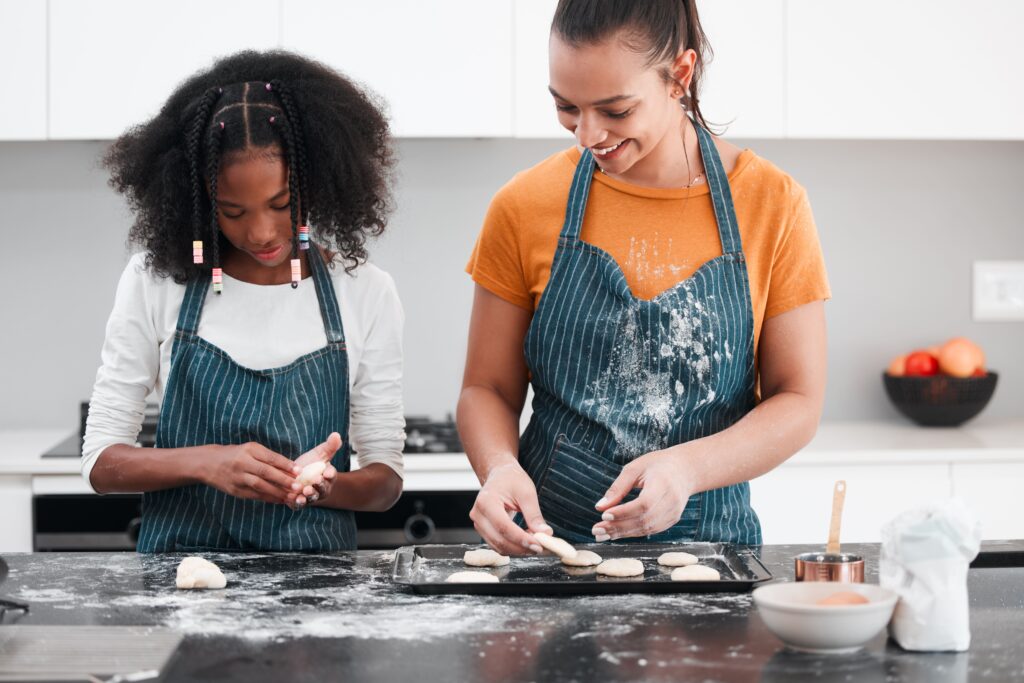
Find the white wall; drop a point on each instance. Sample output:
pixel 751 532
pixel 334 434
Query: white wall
pixel 900 224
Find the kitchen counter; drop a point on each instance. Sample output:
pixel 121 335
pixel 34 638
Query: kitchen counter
pixel 324 617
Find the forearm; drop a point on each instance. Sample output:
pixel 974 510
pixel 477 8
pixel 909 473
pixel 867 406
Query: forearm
pixel 121 468
pixel 489 429
pixel 763 439
pixel 374 488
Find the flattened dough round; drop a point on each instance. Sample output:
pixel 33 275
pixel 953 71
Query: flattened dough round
pixel 311 473
pixel 621 566
pixel 696 572
pixel 485 557
pixel 472 577
pixel 584 558
pixel 557 546
pixel 677 559
pixel 197 572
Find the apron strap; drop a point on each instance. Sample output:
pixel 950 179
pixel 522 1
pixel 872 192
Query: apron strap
pixel 578 194
pixel 721 196
pixel 330 313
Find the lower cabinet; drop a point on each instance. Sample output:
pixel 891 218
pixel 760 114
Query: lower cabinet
pixel 15 513
pixel 994 492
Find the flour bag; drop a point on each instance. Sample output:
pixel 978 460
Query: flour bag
pixel 925 556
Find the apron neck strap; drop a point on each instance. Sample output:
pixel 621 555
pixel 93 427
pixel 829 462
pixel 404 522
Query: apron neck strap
pixel 195 298
pixel 578 194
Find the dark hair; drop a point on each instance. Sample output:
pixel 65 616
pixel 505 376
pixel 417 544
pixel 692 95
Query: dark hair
pixel 660 29
pixel 332 135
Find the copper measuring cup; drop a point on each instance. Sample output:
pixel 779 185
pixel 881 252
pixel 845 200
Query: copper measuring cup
pixel 831 565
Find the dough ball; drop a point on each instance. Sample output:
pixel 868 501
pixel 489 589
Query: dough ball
pixel 584 558
pixel 472 577
pixel 677 559
pixel 695 572
pixel 195 572
pixel 556 545
pixel 843 598
pixel 311 473
pixel 485 557
pixel 622 566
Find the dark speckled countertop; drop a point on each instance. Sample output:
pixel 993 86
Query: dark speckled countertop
pixel 333 617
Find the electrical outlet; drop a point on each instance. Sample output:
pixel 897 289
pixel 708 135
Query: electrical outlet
pixel 998 290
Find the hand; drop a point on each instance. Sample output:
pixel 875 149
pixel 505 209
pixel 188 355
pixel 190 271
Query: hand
pixel 301 496
pixel 666 485
pixel 508 490
pixel 250 470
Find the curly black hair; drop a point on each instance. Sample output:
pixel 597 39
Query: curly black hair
pixel 332 134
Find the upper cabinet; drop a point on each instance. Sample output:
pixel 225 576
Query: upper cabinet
pixel 114 62
pixel 743 86
pixel 905 69
pixel 444 67
pixel 23 53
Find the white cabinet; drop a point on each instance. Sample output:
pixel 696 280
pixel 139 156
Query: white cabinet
pixel 993 492
pixel 794 501
pixel 23 54
pixel 535 114
pixel 905 69
pixel 16 513
pixel 443 67
pixel 114 62
pixel 744 84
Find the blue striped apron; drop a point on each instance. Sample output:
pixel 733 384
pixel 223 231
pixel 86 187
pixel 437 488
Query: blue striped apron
pixel 211 399
pixel 616 377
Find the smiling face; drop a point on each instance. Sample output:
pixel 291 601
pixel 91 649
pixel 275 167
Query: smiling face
pixel 254 212
pixel 616 105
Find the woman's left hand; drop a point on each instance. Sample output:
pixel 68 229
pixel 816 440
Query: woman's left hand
pixel 666 484
pixel 321 488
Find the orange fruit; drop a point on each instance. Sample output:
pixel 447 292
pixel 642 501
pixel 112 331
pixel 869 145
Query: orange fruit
pixel 898 366
pixel 960 357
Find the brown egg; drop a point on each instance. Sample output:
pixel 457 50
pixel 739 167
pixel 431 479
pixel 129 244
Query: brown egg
pixel 843 598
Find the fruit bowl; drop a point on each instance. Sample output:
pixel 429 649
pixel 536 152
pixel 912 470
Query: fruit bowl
pixel 940 400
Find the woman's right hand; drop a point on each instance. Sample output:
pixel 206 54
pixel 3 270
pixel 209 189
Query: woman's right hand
pixel 252 471
pixel 507 490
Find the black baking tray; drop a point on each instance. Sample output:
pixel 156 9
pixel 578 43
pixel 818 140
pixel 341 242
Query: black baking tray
pixel 424 568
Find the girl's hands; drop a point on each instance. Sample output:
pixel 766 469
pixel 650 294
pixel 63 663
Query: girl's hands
pixel 508 490
pixel 301 496
pixel 666 483
pixel 252 471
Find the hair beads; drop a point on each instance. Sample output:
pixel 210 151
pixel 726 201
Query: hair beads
pixel 296 272
pixel 303 237
pixel 218 280
pixel 197 251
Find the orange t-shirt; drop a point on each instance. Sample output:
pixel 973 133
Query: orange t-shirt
pixel 659 237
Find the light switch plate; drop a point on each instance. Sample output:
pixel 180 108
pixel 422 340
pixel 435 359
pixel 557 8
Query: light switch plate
pixel 998 290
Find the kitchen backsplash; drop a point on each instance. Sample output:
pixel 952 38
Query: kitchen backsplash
pixel 900 224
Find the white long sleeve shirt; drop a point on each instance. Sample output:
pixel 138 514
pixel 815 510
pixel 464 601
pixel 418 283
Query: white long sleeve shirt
pixel 260 327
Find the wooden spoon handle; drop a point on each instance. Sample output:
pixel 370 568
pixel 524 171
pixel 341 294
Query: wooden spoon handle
pixel 838 497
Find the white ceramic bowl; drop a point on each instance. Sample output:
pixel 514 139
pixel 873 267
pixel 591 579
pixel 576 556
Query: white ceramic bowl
pixel 790 612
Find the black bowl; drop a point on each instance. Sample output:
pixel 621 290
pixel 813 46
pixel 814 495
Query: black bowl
pixel 940 400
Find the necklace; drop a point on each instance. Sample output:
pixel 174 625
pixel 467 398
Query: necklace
pixel 693 181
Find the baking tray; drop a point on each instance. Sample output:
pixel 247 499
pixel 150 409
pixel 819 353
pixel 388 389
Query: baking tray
pixel 424 568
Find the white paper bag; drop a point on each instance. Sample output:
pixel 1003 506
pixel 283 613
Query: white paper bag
pixel 925 556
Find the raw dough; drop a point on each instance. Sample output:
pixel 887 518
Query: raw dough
pixel 485 557
pixel 584 558
pixel 677 559
pixel 622 566
pixel 696 572
pixel 556 545
pixel 311 473
pixel 195 572
pixel 472 577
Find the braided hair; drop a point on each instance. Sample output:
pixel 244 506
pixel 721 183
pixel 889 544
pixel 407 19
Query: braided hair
pixel 266 103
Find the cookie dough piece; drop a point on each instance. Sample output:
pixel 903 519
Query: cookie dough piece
pixel 695 572
pixel 556 545
pixel 311 473
pixel 196 572
pixel 584 558
pixel 485 557
pixel 472 577
pixel 677 559
pixel 622 566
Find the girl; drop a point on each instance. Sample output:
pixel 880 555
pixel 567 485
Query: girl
pixel 667 290
pixel 272 343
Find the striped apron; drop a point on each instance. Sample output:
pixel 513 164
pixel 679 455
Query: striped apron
pixel 616 377
pixel 210 399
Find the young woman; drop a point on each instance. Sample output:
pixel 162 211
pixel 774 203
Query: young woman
pixel 292 354
pixel 667 289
